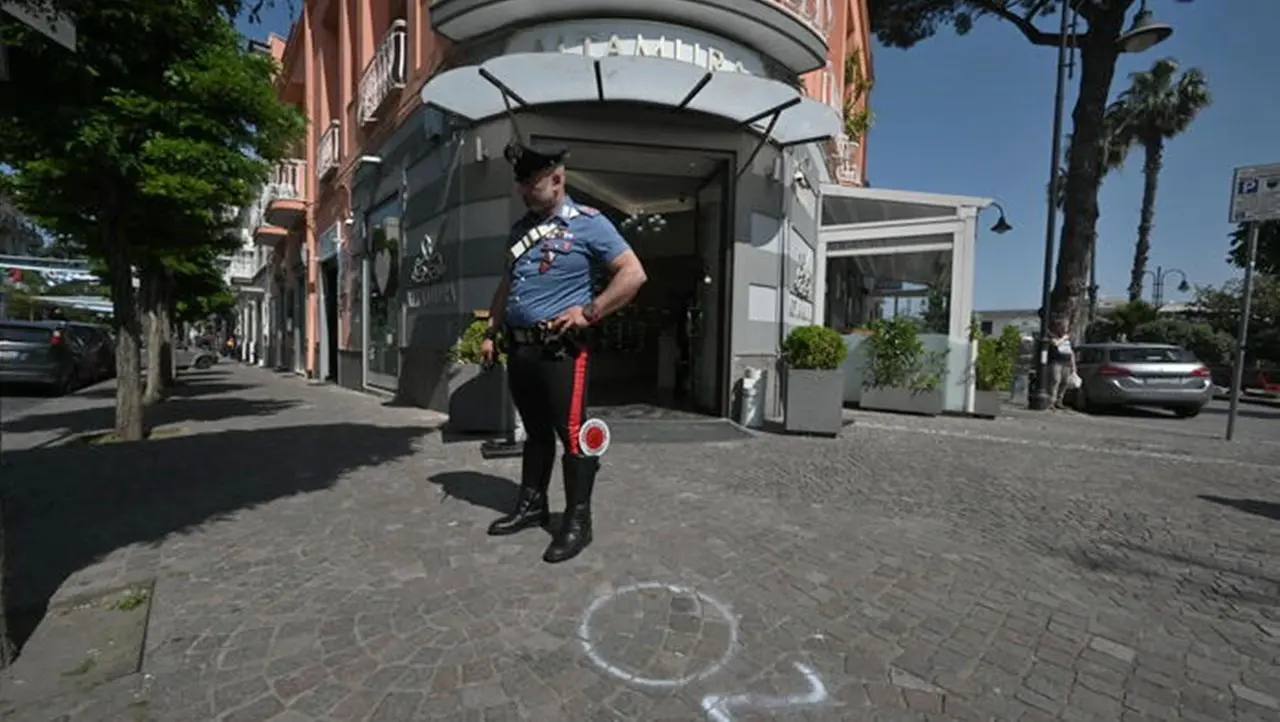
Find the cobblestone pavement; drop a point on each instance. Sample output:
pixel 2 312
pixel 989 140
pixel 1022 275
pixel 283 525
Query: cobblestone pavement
pixel 1028 568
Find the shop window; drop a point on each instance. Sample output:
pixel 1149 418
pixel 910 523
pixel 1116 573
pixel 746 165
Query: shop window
pixel 383 322
pixel 350 297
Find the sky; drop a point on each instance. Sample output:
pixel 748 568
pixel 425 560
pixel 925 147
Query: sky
pixel 972 115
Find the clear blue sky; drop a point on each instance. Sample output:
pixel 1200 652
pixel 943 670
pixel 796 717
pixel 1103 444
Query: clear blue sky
pixel 971 116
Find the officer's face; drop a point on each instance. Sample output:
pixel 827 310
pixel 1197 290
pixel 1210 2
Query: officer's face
pixel 542 192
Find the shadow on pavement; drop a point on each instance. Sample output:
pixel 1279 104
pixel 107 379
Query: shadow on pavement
pixel 486 490
pixel 170 412
pixel 65 508
pixel 1268 509
pixel 180 390
pixel 1244 411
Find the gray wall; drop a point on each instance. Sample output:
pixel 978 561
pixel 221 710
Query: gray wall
pixel 458 191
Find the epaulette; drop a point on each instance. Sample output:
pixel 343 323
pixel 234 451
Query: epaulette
pixel 588 210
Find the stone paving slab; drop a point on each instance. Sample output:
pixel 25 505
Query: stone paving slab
pixel 915 569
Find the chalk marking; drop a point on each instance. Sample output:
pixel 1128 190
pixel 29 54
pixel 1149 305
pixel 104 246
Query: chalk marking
pixel 584 635
pixel 1140 453
pixel 718 708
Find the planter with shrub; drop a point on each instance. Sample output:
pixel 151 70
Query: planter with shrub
pixel 994 370
pixel 902 375
pixel 478 401
pixel 813 381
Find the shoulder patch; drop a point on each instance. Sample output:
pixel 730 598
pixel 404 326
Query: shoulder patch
pixel 588 210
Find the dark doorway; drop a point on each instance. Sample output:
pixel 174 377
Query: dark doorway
pixel 329 269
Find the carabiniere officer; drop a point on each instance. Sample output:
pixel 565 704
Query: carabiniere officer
pixel 544 309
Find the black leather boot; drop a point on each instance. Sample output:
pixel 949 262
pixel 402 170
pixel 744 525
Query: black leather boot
pixel 531 508
pixel 575 533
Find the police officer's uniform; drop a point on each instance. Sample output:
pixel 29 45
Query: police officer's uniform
pixel 552 264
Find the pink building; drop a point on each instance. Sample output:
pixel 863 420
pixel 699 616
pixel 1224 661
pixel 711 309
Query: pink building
pixel 705 127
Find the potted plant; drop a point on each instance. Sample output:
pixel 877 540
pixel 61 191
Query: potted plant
pixel 813 381
pixel 902 375
pixel 478 402
pixel 994 369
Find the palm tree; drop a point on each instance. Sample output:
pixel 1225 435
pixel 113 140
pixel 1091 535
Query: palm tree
pixel 1158 105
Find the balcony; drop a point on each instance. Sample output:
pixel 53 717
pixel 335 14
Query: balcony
pixel 242 267
pixel 285 201
pixel 264 234
pixel 829 89
pixel 329 150
pixel 385 74
pixel 844 162
pixel 794 33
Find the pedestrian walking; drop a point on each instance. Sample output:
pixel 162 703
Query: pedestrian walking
pixel 1062 363
pixel 543 311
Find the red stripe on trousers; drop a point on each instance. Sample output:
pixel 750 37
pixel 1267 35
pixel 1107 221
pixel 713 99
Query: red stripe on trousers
pixel 575 400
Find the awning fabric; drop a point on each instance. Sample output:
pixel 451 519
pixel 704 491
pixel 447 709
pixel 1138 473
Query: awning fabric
pixel 476 92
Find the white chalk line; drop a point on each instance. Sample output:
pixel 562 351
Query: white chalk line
pixel 718 708
pixel 1063 446
pixel 588 648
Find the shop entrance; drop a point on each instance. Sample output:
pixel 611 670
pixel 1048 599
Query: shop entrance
pixel 663 355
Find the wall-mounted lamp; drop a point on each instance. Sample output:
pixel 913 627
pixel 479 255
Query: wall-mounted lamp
pixel 1002 225
pixel 370 160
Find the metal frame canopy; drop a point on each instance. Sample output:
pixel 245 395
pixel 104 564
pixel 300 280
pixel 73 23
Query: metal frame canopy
pixel 773 110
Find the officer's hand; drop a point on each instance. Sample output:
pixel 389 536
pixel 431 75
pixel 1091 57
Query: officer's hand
pixel 488 352
pixel 570 319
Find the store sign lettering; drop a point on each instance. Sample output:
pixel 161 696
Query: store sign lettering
pixel 648 40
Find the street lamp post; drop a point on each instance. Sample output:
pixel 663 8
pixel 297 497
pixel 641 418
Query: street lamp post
pixel 1157 283
pixel 1142 35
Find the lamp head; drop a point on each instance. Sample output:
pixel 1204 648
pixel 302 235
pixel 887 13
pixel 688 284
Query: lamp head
pixel 1001 226
pixel 1184 286
pixel 1144 33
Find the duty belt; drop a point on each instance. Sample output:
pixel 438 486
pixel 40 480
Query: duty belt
pixel 541 335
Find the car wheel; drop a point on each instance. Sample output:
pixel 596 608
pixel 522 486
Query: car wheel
pixel 1082 401
pixel 203 363
pixel 1187 412
pixel 66 384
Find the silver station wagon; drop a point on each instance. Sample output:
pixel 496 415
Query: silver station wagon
pixel 1141 374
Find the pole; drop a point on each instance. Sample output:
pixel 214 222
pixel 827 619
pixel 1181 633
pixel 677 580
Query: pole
pixel 1039 398
pixel 1243 335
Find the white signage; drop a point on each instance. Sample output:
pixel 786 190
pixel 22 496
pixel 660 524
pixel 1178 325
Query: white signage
pixel 1255 194
pixel 638 38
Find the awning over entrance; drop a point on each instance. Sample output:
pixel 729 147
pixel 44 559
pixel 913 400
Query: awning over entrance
pixel 767 107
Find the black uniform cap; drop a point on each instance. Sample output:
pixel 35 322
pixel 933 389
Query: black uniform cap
pixel 528 159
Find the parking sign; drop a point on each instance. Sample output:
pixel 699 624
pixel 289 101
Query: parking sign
pixel 1255 194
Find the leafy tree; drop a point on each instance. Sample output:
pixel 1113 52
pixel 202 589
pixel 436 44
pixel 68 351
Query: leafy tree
pixel 1158 105
pixel 1209 345
pixel 1268 247
pixel 903 23
pixel 1221 309
pixel 161 119
pixel 935 317
pixel 1120 322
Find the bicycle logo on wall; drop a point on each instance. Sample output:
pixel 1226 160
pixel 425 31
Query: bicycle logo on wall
pixel 428 265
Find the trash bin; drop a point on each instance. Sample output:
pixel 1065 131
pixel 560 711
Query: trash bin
pixel 751 400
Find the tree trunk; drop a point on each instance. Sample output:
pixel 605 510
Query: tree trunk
pixel 1085 164
pixel 152 280
pixel 6 645
pixel 129 411
pixel 1146 220
pixel 168 373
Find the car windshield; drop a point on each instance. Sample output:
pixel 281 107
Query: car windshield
pixel 24 334
pixel 1151 354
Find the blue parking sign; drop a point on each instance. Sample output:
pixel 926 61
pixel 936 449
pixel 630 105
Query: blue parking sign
pixel 1247 187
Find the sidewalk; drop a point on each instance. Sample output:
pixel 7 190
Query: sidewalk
pixel 318 556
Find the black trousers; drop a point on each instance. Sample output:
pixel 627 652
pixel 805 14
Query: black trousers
pixel 549 389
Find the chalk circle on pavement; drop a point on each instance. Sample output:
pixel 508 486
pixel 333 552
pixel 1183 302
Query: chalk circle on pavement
pixel 684 600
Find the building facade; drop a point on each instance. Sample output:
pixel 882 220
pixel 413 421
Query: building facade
pixel 706 129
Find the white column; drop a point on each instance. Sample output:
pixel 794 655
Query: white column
pixel 962 259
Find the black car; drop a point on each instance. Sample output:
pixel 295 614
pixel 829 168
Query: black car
pixel 53 354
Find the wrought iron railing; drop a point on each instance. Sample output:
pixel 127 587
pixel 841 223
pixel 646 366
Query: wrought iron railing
pixel 329 150
pixel 387 71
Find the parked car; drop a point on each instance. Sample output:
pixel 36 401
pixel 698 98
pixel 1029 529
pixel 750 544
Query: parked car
pixel 99 347
pixel 45 353
pixel 186 356
pixel 1141 374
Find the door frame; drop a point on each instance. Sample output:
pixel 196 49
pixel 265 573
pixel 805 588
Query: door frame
pixel 729 162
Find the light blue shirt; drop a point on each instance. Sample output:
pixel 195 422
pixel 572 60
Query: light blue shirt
pixel 554 261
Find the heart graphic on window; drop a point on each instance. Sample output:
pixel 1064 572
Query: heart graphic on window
pixel 382 270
